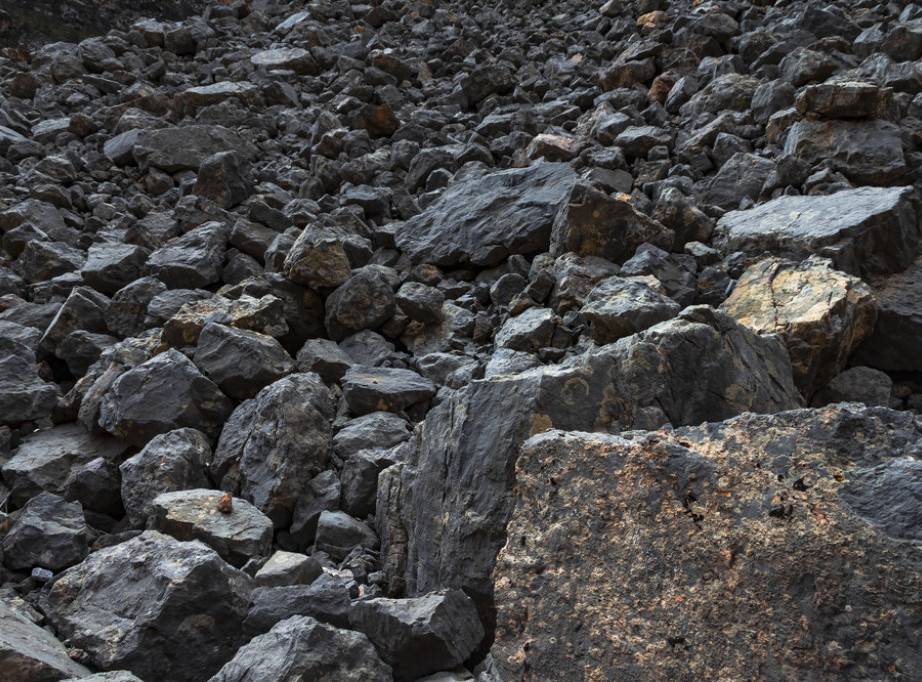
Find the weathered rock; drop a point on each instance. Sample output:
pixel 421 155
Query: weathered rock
pixel 321 494
pixel 528 332
pixel 619 307
pixel 163 394
pixel 161 608
pixel 740 178
pixel 848 99
pixel 111 266
pixel 422 635
pixel 265 315
pixel 821 314
pixel 338 534
pixel 29 653
pixel 325 358
pixel 169 462
pixel 48 532
pixel 753 482
pixel 373 389
pixel 222 179
pixel 288 568
pixel 483 220
pixel 193 260
pixel 23 395
pixel 295 59
pixel 237 535
pixel 318 258
pixel 240 361
pixel 274 444
pixel 127 312
pixel 186 147
pixel 374 430
pixel 364 301
pixel 866 230
pixel 303 648
pixel 325 599
pixel 420 302
pixel 858 384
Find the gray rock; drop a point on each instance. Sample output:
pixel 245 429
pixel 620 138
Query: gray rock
pixel 364 301
pixel 23 395
pixel 274 444
pixel 864 231
pixel 481 221
pixel 325 358
pixel 222 179
pixel 741 177
pixel 193 260
pixel 326 599
pixel 374 430
pixel 619 307
pixel 420 302
pixel 321 494
pixel 161 608
pixel 111 266
pixel 241 362
pixel 81 349
pixel 338 534
pixel 422 635
pixel 303 648
pixel 295 59
pixel 29 653
pixel 169 462
pixel 48 532
pixel 128 311
pixel 528 332
pixel 675 272
pixel 237 535
pixel 858 384
pixel 374 389
pixel 288 568
pixel 843 99
pixel 318 258
pixel 84 309
pixel 186 147
pixel 163 394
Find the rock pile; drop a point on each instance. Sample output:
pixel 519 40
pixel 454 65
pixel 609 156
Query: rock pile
pixel 431 340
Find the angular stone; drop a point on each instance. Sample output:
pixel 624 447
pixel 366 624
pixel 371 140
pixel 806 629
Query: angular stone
pixel 186 147
pixel 843 99
pixel 23 395
pixel 821 314
pixel 193 260
pixel 200 514
pixel 373 389
pixel 303 648
pixel 338 534
pixel 222 179
pixel 264 315
pixel 318 258
pixel 420 302
pixel 161 608
pixel 529 331
pixel 741 177
pixel 857 384
pixel 41 261
pixel 29 653
pixel 326 599
pixel 481 221
pixel 295 59
pixel 364 301
pixel 48 532
pixel 111 266
pixel 321 494
pixel 288 568
pixel 619 307
pixel 422 635
pixel 699 523
pixel 379 430
pixel 863 231
pixel 324 357
pixel 127 312
pixel 163 394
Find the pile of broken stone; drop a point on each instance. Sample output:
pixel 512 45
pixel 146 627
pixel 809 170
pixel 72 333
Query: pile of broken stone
pixel 438 340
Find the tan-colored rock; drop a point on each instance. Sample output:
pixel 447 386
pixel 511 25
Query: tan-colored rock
pixel 821 313
pixel 265 315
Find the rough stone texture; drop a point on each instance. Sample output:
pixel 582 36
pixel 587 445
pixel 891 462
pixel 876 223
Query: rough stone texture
pixel 821 313
pixel 303 648
pixel 764 547
pixel 161 608
pixel 274 444
pixel 863 231
pixel 48 532
pixel 619 307
pixel 23 395
pixel 30 654
pixel 420 636
pixel 326 599
pixel 484 220
pixel 163 394
pixel 373 389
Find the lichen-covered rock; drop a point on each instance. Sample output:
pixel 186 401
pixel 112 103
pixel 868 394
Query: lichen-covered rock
pixel 161 608
pixel 765 546
pixel 821 313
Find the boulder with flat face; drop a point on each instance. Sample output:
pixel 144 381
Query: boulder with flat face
pixel 186 147
pixel 29 653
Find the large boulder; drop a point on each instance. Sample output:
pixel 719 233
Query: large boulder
pixel 274 444
pixel 163 394
pixel 184 147
pixel 864 231
pixel 775 547
pixel 163 609
pixel 484 220
pixel 822 314
pixel 301 648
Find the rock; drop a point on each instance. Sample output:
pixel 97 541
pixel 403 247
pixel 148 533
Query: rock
pixel 528 332
pixel 186 147
pixel 325 358
pixel 674 272
pixel 109 266
pixel 379 430
pixel 48 532
pixel 288 568
pixel 594 224
pixel 420 302
pixel 241 362
pixel 619 307
pixel 373 389
pixel 193 260
pixel 222 179
pixel 238 535
pixel 128 310
pixel 866 152
pixel 483 220
pixel 161 608
pixel 265 315
pixel 163 394
pixel 821 314
pixel 23 395
pixel 325 599
pixel 827 485
pixel 847 99
pixel 338 534
pixel 302 648
pixel 741 177
pixel 863 231
pixel 858 384
pixel 318 258
pixel 321 494
pixel 364 301
pixel 422 635
pixel 295 59
pixel 29 653
pixel 274 444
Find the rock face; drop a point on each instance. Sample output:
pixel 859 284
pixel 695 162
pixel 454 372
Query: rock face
pixel 160 608
pixel 30 654
pixel 822 314
pixel 699 523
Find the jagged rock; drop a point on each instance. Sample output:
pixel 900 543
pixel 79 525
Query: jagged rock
pixel 111 266
pixel 274 444
pixel 325 358
pixel 374 430
pixel 318 258
pixel 169 462
pixel 528 332
pixel 127 312
pixel 848 99
pixel 295 59
pixel 325 599
pixel 373 389
pixel 265 315
pixel 161 608
pixel 185 147
pixel 619 307
pixel 84 309
pixel 364 301
pixel 222 179
pixel 741 177
pixel 288 568
pixel 858 384
pixel 237 535
pixel 821 313
pixel 863 231
pixel 594 224
pixel 420 302
pixel 483 220
pixel 302 648
pixel 23 395
pixel 241 362
pixel 338 534
pixel 674 272
pixel 163 394
pixel 29 653
pixel 48 532
pixel 828 484
pixel 193 260
pixel 422 635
